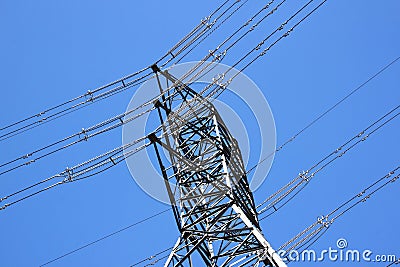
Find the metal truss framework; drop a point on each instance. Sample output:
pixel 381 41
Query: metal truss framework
pixel 206 184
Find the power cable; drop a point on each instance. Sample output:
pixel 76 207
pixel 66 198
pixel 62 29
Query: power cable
pixel 311 124
pixel 318 118
pixel 326 112
pixel 295 186
pixel 263 53
pixel 395 262
pixel 312 233
pixel 120 83
pixel 85 135
pixel 106 236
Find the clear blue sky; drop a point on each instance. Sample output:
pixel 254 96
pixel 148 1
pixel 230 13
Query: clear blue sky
pixel 51 51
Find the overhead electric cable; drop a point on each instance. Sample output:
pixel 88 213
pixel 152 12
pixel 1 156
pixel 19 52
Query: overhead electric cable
pixel 295 186
pixel 322 115
pixel 104 163
pixel 121 84
pixel 106 236
pixel 139 262
pixel 395 262
pixel 320 226
pixel 85 134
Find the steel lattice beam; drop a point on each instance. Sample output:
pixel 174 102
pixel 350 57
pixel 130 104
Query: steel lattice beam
pixel 207 184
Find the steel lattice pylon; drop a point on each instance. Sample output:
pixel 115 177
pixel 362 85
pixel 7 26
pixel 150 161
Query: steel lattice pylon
pixel 206 183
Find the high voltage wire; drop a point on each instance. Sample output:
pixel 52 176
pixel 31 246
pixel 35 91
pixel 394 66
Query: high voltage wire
pixel 290 190
pixel 312 233
pixel 204 23
pixel 125 82
pixel 344 99
pixel 95 242
pixel 85 134
pixel 326 112
pixel 73 174
pixel 169 248
pixel 68 173
pixel 319 227
pixel 395 262
pixel 293 138
pixel 286 34
pixel 107 236
pixel 154 256
pixel 77 173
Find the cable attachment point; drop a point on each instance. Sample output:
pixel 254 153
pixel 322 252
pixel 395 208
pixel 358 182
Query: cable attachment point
pixel 395 179
pixel 220 55
pixel 365 137
pixel 273 10
pixel 211 24
pixel 84 133
pixel 303 175
pixel 365 198
pixel 89 96
pixel 265 51
pixel 223 86
pixel 267 5
pixel 27 156
pixel 68 175
pixel 212 52
pixel 259 45
pixel 361 193
pixel 157 104
pixel 153 138
pixel 288 32
pixel 155 68
pixel 42 120
pixel 338 149
pixel 324 220
pixel 205 20
pixel 29 162
pixel 218 77
pixel 327 223
pixel 321 219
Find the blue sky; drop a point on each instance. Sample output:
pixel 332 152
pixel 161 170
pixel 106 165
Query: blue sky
pixel 51 51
